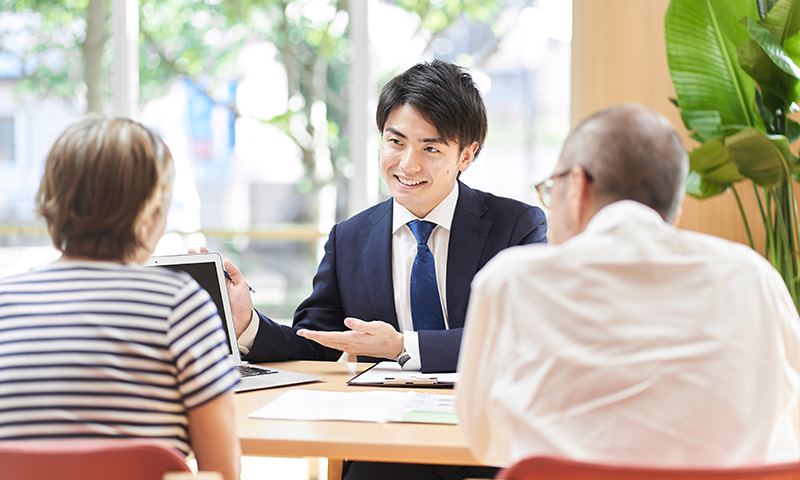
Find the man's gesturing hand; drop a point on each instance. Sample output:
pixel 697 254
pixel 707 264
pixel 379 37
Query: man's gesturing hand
pixel 373 339
pixel 238 293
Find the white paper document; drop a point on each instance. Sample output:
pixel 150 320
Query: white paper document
pixel 391 374
pixel 383 406
pixel 426 408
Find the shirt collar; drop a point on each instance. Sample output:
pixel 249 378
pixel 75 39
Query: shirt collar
pixel 442 215
pixel 621 211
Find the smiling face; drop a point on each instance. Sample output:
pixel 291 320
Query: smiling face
pixel 419 166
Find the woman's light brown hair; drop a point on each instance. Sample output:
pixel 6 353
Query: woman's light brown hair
pixel 100 178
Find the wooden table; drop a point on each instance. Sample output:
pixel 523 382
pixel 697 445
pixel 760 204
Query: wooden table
pixel 386 442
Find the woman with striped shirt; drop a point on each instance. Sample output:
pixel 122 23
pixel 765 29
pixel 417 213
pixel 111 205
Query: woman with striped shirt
pixel 96 345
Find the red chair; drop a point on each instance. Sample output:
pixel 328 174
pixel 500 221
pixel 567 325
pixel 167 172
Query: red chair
pixel 545 468
pixel 88 460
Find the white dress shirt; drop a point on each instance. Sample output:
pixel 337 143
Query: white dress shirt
pixel 631 343
pixel 404 250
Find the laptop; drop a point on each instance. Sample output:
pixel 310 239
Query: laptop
pixel 207 270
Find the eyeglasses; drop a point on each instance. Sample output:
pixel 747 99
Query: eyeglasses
pixel 545 187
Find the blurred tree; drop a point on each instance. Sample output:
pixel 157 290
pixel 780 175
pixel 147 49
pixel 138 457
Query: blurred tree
pixel 201 41
pixel 66 56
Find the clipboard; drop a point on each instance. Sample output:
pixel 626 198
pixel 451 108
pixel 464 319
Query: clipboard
pixel 390 374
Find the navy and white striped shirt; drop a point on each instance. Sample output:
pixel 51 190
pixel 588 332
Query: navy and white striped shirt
pixel 96 349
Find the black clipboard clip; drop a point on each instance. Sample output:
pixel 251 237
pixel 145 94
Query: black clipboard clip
pixel 391 381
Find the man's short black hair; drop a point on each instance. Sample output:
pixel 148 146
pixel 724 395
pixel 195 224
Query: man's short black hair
pixel 445 95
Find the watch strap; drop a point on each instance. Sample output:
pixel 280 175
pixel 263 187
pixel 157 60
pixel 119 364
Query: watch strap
pixel 403 358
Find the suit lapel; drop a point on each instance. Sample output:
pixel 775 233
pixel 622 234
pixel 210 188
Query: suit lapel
pixel 468 235
pixel 376 260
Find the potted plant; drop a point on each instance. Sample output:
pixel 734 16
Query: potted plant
pixel 734 65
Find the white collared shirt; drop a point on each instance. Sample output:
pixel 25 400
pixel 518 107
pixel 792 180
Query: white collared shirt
pixel 631 343
pixel 404 250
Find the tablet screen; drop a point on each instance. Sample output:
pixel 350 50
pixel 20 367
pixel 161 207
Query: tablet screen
pixel 205 274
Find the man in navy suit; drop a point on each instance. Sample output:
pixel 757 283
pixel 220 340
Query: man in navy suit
pixel 433 124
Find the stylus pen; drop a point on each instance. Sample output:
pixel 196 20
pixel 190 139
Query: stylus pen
pixel 229 278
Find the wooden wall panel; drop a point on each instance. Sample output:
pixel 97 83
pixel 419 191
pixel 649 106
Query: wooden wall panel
pixel 619 55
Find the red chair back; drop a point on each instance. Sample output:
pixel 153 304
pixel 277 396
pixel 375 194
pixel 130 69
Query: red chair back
pixel 546 468
pixel 88 460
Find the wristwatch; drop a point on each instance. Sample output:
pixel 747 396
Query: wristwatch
pixel 403 358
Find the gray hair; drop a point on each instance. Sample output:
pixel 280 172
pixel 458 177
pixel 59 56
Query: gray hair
pixel 632 153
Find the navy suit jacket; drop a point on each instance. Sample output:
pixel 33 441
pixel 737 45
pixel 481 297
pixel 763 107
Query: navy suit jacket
pixel 354 278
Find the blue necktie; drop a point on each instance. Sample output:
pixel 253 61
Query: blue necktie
pixel 426 309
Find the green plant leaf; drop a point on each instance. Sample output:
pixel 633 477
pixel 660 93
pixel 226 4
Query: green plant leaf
pixel 782 143
pixel 706 124
pixel 714 162
pixel 702 37
pixel 759 65
pixel 783 20
pixel 767 160
pixel 698 187
pixel 792 47
pixel 282 122
pixel 773 102
pixel 771 47
pixel 765 6
pixel 698 118
pixel 792 130
pixel 766 113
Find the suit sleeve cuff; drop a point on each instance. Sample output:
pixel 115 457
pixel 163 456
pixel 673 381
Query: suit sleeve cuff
pixel 247 337
pixel 411 344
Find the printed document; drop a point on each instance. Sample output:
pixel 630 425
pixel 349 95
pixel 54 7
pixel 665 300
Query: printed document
pixel 381 407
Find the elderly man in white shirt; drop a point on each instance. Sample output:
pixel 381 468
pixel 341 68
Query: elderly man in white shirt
pixel 629 341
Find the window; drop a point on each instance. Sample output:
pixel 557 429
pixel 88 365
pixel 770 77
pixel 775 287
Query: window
pixel 7 142
pixel 264 140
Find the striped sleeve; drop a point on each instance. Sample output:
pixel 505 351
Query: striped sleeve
pixel 199 347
